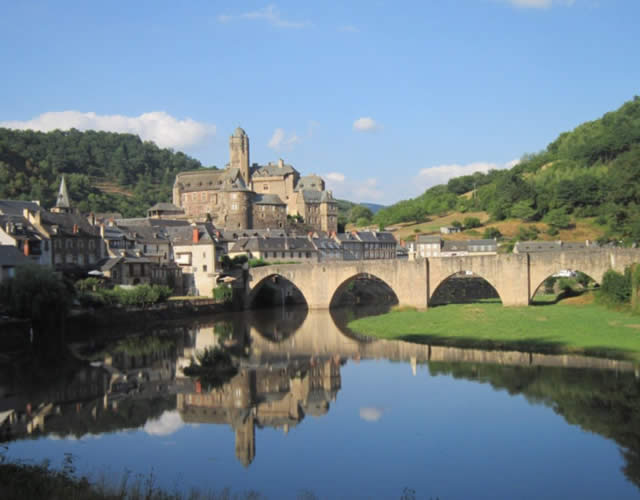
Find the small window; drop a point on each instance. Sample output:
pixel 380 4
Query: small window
pixel 204 268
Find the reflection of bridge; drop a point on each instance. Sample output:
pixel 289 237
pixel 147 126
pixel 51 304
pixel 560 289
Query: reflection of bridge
pixel 319 337
pixel 515 277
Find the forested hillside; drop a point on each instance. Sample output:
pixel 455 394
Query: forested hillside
pixel 105 171
pixel 592 171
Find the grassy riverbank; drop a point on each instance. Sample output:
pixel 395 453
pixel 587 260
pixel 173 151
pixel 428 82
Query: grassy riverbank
pixel 575 325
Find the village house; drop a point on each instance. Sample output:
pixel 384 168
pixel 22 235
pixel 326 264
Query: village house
pixel 16 230
pixel 197 252
pixel 427 246
pixel 288 249
pixel 367 245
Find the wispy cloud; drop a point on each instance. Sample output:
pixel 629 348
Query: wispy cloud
pixel 366 124
pixel 371 414
pixel 269 14
pixel 280 140
pixel 440 174
pixel 157 126
pixel 349 28
pixel 540 4
pixel 168 423
pixel 366 190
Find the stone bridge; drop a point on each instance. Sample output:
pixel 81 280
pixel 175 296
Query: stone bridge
pixel 515 277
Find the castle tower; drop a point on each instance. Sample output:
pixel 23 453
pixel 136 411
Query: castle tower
pixel 328 212
pixel 239 153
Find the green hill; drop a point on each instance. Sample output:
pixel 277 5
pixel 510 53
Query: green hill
pixel 592 171
pixel 105 171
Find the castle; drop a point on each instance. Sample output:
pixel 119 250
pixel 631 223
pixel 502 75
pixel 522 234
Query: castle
pixel 245 196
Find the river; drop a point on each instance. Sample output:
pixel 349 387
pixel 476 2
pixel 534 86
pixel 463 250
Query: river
pixel 316 411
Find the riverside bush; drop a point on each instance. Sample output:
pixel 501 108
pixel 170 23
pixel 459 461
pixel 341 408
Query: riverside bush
pixel 616 287
pixel 139 296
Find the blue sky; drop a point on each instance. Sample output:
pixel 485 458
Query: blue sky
pixel 382 98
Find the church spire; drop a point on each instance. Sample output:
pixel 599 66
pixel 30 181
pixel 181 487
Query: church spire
pixel 62 202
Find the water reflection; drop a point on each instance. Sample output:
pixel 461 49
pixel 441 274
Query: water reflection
pixel 289 367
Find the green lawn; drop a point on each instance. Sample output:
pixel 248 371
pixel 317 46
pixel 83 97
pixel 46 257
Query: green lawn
pixel 572 326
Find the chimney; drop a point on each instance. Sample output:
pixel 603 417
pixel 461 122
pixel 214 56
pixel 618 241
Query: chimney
pixel 92 219
pixel 281 163
pixel 196 235
pixel 75 229
pixel 102 231
pixel 26 248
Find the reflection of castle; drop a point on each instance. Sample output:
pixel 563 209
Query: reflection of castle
pixel 277 396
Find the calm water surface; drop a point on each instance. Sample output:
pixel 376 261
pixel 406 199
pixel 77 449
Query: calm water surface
pixel 316 409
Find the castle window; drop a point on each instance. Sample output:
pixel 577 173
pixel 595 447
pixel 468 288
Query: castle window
pixel 203 196
pixel 234 206
pixel 234 196
pixel 265 187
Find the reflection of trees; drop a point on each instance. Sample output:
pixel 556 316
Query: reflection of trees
pixel 603 402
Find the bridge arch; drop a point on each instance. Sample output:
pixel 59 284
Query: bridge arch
pixel 382 288
pixel 578 275
pixel 289 291
pixel 478 289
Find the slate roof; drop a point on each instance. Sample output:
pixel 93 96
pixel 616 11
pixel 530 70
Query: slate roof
pixel 271 170
pixel 325 244
pixel 548 246
pixel 429 239
pixel 183 235
pixel 16 207
pixel 22 228
pixel 257 244
pixel 198 180
pixel 165 207
pixel 268 199
pixel 312 182
pixel 65 223
pixel 62 201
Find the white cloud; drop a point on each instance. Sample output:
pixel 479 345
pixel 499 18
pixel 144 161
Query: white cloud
pixel 168 423
pixel 440 174
pixel 366 124
pixel 281 141
pixel 540 4
pixel 357 191
pixel 269 14
pixel 157 126
pixel 371 414
pixel 335 177
pixel 348 28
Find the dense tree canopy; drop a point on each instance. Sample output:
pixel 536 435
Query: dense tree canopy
pixel 593 170
pixel 105 171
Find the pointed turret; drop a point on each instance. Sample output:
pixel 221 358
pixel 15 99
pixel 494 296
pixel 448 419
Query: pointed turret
pixel 63 204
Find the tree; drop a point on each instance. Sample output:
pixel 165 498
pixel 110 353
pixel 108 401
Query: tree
pixel 471 222
pixel 492 233
pixel 523 210
pixel 558 219
pixel 360 212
